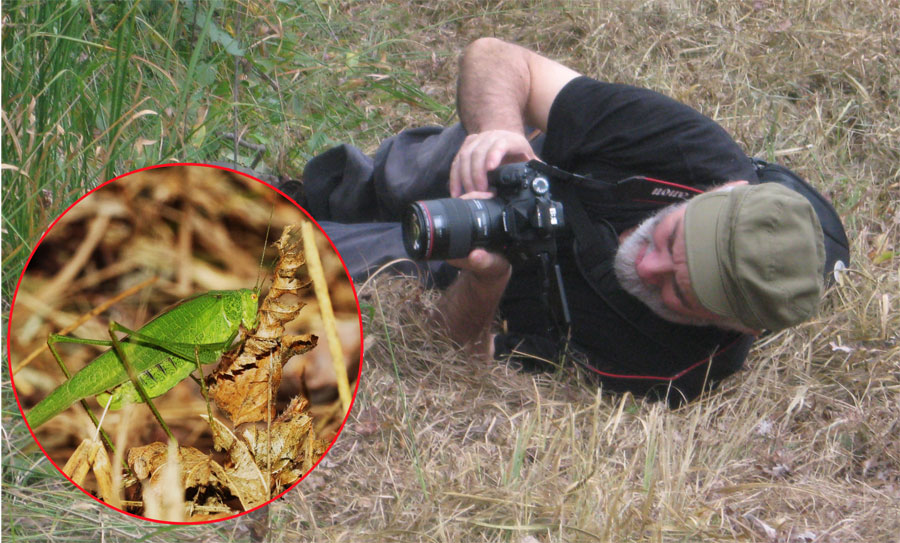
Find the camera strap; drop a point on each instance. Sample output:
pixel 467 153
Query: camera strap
pixel 592 241
pixel 637 188
pixel 661 193
pixel 596 241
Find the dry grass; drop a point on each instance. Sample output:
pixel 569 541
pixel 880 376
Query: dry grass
pixel 802 446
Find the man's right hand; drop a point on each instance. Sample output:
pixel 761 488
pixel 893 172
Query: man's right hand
pixel 484 266
pixel 468 306
pixel 483 152
pixel 502 88
pixel 489 269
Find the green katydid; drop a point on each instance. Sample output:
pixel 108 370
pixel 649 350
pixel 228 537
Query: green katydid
pixel 161 353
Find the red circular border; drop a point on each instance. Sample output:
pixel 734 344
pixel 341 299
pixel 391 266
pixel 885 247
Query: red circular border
pixel 358 313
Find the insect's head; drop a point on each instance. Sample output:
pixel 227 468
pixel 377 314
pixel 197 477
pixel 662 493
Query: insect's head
pixel 249 308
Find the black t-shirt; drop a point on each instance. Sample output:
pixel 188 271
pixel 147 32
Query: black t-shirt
pixel 611 132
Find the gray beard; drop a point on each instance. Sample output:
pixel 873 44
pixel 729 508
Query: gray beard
pixel 628 277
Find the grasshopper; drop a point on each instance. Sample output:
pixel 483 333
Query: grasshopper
pixel 158 356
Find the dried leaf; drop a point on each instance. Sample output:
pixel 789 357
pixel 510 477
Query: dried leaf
pixel 243 474
pixel 198 472
pixel 201 470
pixel 242 391
pixel 245 382
pixel 144 460
pixel 290 450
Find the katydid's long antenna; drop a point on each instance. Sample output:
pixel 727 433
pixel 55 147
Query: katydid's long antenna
pixel 262 257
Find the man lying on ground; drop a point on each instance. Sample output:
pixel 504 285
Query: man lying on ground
pixel 665 300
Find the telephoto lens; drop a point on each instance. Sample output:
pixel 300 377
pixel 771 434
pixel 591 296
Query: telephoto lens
pixel 451 227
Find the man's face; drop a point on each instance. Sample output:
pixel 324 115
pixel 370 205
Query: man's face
pixel 651 265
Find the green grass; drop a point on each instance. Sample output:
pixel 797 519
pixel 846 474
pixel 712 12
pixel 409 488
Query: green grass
pixel 805 441
pixel 90 94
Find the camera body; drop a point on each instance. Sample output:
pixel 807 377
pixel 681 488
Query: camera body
pixel 521 221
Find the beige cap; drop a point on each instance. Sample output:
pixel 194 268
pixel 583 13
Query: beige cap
pixel 755 253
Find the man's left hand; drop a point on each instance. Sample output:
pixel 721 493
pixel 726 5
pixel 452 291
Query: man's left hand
pixel 483 152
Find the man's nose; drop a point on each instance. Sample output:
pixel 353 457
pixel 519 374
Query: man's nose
pixel 655 265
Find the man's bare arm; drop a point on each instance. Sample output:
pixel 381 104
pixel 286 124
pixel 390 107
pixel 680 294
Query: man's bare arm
pixel 502 87
pixel 468 306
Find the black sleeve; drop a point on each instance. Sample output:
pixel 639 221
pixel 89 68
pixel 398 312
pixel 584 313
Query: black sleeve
pixel 613 131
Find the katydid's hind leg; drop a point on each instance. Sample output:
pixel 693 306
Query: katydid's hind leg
pixel 53 340
pixel 146 385
pixel 117 345
pixel 180 350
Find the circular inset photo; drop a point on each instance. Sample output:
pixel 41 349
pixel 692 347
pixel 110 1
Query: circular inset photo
pixel 185 343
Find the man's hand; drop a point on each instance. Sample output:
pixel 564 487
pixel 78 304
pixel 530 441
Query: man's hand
pixel 484 266
pixel 468 306
pixel 489 269
pixel 502 89
pixel 483 152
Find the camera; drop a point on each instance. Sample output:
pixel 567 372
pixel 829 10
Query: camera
pixel 520 221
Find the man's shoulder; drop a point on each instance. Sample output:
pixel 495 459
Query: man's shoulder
pixel 614 130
